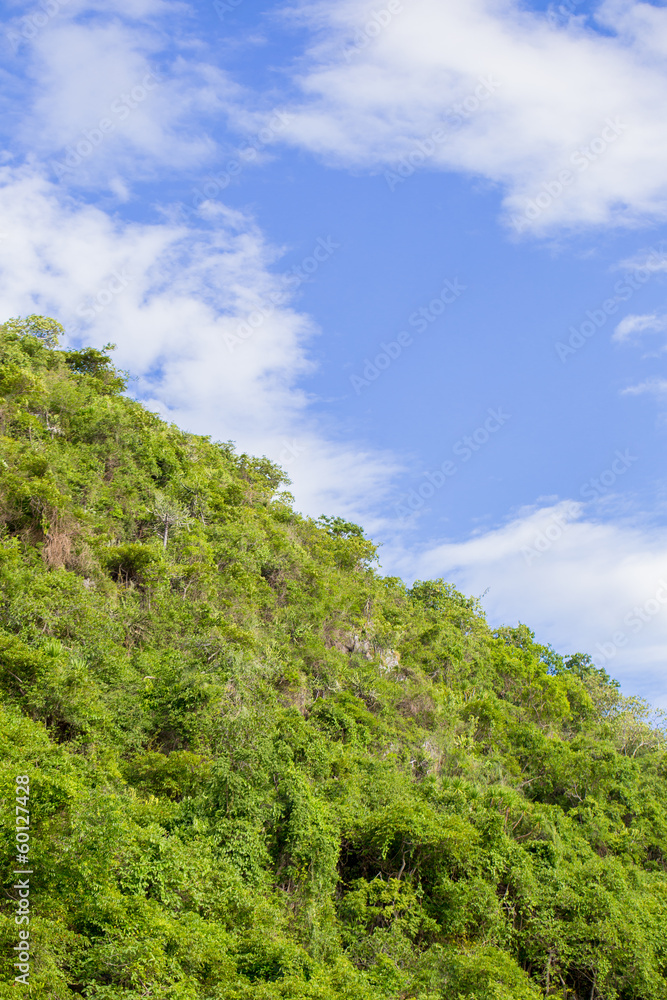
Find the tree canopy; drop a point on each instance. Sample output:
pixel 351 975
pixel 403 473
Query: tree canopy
pixel 260 769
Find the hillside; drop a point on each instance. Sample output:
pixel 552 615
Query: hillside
pixel 259 769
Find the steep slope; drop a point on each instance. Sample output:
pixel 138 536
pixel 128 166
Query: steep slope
pixel 259 769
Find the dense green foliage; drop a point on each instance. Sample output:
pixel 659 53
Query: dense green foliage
pixel 262 770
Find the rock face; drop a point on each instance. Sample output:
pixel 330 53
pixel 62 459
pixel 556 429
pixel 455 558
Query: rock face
pixel 363 647
pixel 389 658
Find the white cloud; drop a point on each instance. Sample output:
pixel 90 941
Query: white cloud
pixel 654 259
pixel 564 97
pixel 633 328
pixel 632 325
pixel 101 101
pixel 174 296
pixel 171 296
pixel 581 585
pixel 484 87
pixel 652 386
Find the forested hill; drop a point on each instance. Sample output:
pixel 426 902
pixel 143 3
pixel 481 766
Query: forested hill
pixel 259 769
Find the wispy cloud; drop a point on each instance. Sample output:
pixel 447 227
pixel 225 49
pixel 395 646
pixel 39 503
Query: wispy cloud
pixel 103 97
pixel 631 327
pixel 600 122
pixel 654 261
pixel 652 387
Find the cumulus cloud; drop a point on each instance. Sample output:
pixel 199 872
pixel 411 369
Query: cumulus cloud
pixel 200 314
pixel 101 99
pixel 581 584
pixel 566 118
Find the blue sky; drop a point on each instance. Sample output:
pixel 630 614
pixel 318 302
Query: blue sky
pixel 415 251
